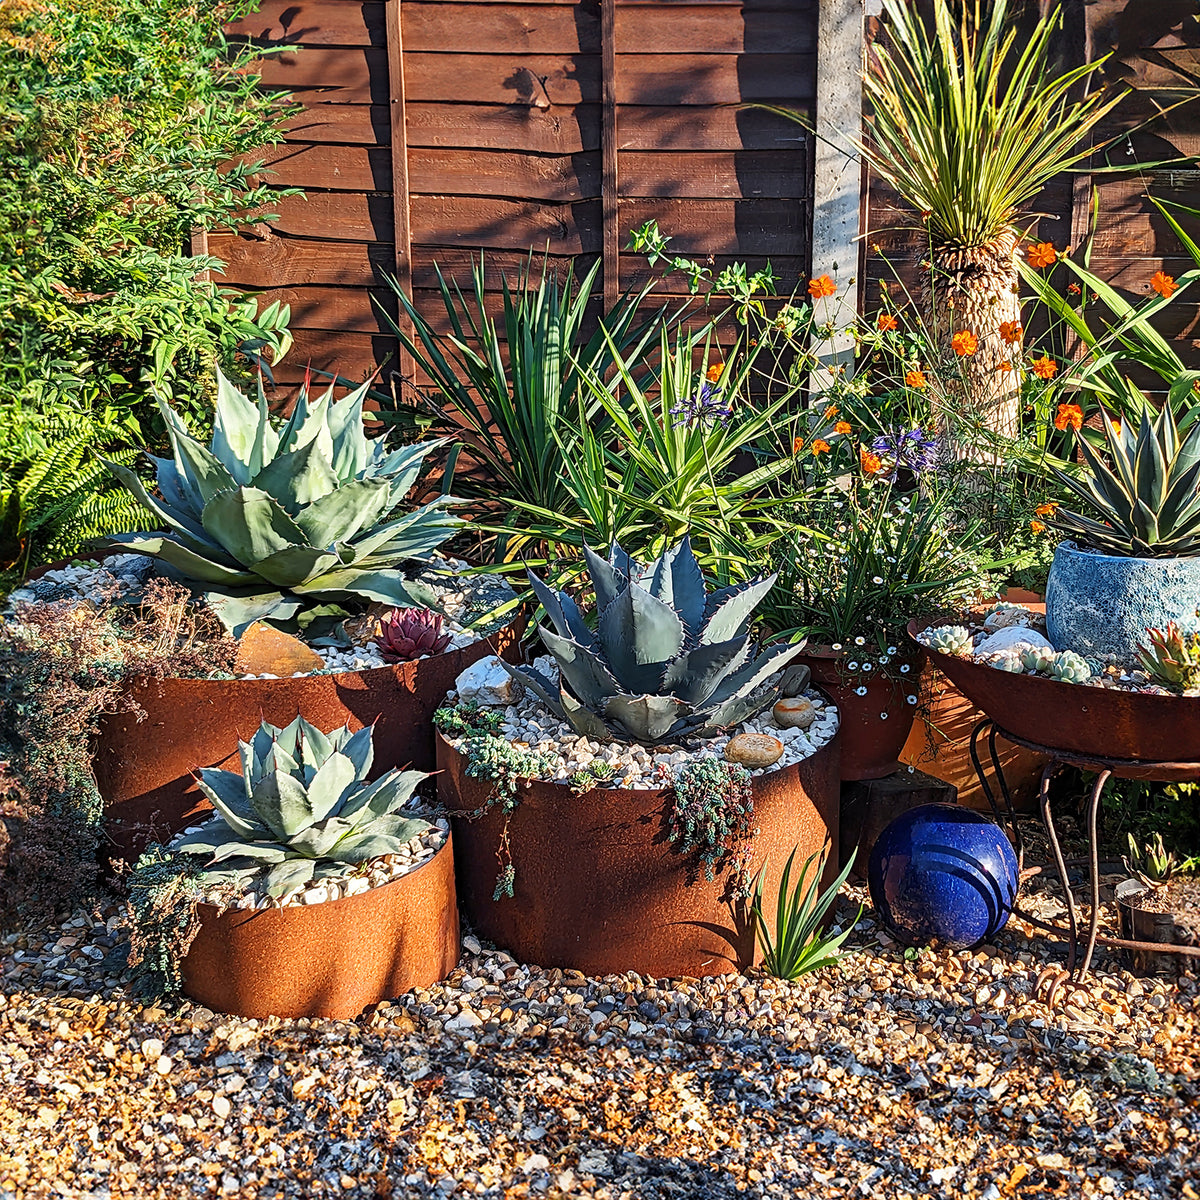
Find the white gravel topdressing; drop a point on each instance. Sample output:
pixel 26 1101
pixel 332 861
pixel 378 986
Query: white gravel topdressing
pixel 464 598
pixel 529 723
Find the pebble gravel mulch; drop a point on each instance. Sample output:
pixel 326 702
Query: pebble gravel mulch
pixel 935 1074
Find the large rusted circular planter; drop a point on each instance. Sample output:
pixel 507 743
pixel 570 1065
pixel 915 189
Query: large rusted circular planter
pixel 332 959
pixel 598 887
pixel 871 744
pixel 1090 722
pixel 144 769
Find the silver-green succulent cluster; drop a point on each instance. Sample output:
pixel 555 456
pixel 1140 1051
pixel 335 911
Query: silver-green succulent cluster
pixel 667 659
pixel 301 810
pixel 1069 667
pixel 268 522
pixel 1036 658
pixel 1008 661
pixel 950 639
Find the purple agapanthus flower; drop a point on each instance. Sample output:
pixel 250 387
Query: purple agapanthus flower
pixel 910 448
pixel 704 405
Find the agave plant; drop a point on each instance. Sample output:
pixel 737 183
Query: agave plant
pixel 668 660
pixel 301 809
pixel 1147 504
pixel 407 633
pixel 267 522
pixel 1172 656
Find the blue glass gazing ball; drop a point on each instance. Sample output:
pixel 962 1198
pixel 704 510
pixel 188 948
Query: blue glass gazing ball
pixel 941 873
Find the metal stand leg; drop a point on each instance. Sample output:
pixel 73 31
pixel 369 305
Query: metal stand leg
pixel 1060 863
pixel 1093 927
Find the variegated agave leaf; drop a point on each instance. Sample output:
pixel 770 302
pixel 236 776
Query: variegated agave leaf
pixel 267 522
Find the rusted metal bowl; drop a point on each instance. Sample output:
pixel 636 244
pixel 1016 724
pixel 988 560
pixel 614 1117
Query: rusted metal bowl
pixel 598 887
pixel 332 959
pixel 871 742
pixel 1089 723
pixel 144 769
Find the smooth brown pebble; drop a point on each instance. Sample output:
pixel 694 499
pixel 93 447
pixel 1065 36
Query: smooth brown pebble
pixel 754 749
pixel 794 713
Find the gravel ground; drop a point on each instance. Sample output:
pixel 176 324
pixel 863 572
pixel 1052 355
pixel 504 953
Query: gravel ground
pixel 937 1074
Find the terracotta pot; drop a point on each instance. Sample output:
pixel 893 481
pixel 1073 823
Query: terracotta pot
pixel 332 959
pixel 144 769
pixel 1090 723
pixel 873 727
pixel 598 887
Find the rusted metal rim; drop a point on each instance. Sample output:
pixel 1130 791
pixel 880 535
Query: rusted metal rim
pixel 1091 723
pixel 332 959
pixel 599 888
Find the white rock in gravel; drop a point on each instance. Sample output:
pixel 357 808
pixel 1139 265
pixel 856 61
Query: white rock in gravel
pixel 1009 616
pixel 1014 637
pixel 487 682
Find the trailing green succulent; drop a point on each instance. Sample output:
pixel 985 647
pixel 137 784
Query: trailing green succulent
pixel 950 639
pixel 268 522
pixel 300 810
pixel 713 810
pixel 1037 658
pixel 1147 504
pixel 1068 667
pixel 1172 657
pixel 668 660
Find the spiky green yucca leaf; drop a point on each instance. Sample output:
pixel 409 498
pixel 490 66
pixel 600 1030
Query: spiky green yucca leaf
pixel 270 521
pixel 301 809
pixel 667 659
pixel 1144 502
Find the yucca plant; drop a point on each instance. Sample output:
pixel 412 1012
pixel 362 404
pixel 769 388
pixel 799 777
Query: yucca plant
pixel 270 522
pixel 667 660
pixel 301 810
pixel 798 945
pixel 1147 503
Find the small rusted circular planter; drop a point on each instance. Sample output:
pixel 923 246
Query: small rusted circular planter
pixel 599 889
pixel 871 743
pixel 332 959
pixel 1089 722
pixel 144 769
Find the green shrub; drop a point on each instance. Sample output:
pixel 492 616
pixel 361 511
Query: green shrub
pixel 117 118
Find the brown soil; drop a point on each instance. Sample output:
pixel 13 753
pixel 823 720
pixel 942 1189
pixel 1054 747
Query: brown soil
pixel 1180 896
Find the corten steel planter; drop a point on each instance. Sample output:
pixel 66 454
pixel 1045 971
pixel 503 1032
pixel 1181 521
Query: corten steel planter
pixel 871 742
pixel 144 769
pixel 332 959
pixel 598 887
pixel 1090 722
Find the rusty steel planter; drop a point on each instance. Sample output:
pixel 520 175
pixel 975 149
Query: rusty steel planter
pixel 871 745
pixel 1089 722
pixel 144 769
pixel 332 959
pixel 598 887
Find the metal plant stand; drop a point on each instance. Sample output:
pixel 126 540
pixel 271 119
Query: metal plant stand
pixel 1105 768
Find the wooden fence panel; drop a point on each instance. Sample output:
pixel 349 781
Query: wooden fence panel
pixel 506 148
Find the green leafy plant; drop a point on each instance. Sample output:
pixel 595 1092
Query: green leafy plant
pixel 1147 503
pixel 1172 657
pixel 467 718
pixel 301 810
pixel 270 521
pixel 1154 864
pixel 798 945
pixel 712 811
pixel 667 660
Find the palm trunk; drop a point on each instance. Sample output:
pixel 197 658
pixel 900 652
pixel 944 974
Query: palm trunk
pixel 976 289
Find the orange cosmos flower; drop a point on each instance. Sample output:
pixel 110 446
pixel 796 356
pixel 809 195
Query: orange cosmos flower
pixel 871 463
pixel 1011 331
pixel 887 323
pixel 831 412
pixel 1037 526
pixel 1045 367
pixel 821 286
pixel 1004 366
pixel 797 445
pixel 1163 283
pixel 916 379
pixel 1070 416
pixel 842 427
pixel 964 343
pixel 1046 510
pixel 1041 255
pixel 820 446
pixel 714 372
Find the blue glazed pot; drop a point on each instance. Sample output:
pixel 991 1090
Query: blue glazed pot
pixel 1102 604
pixel 943 874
